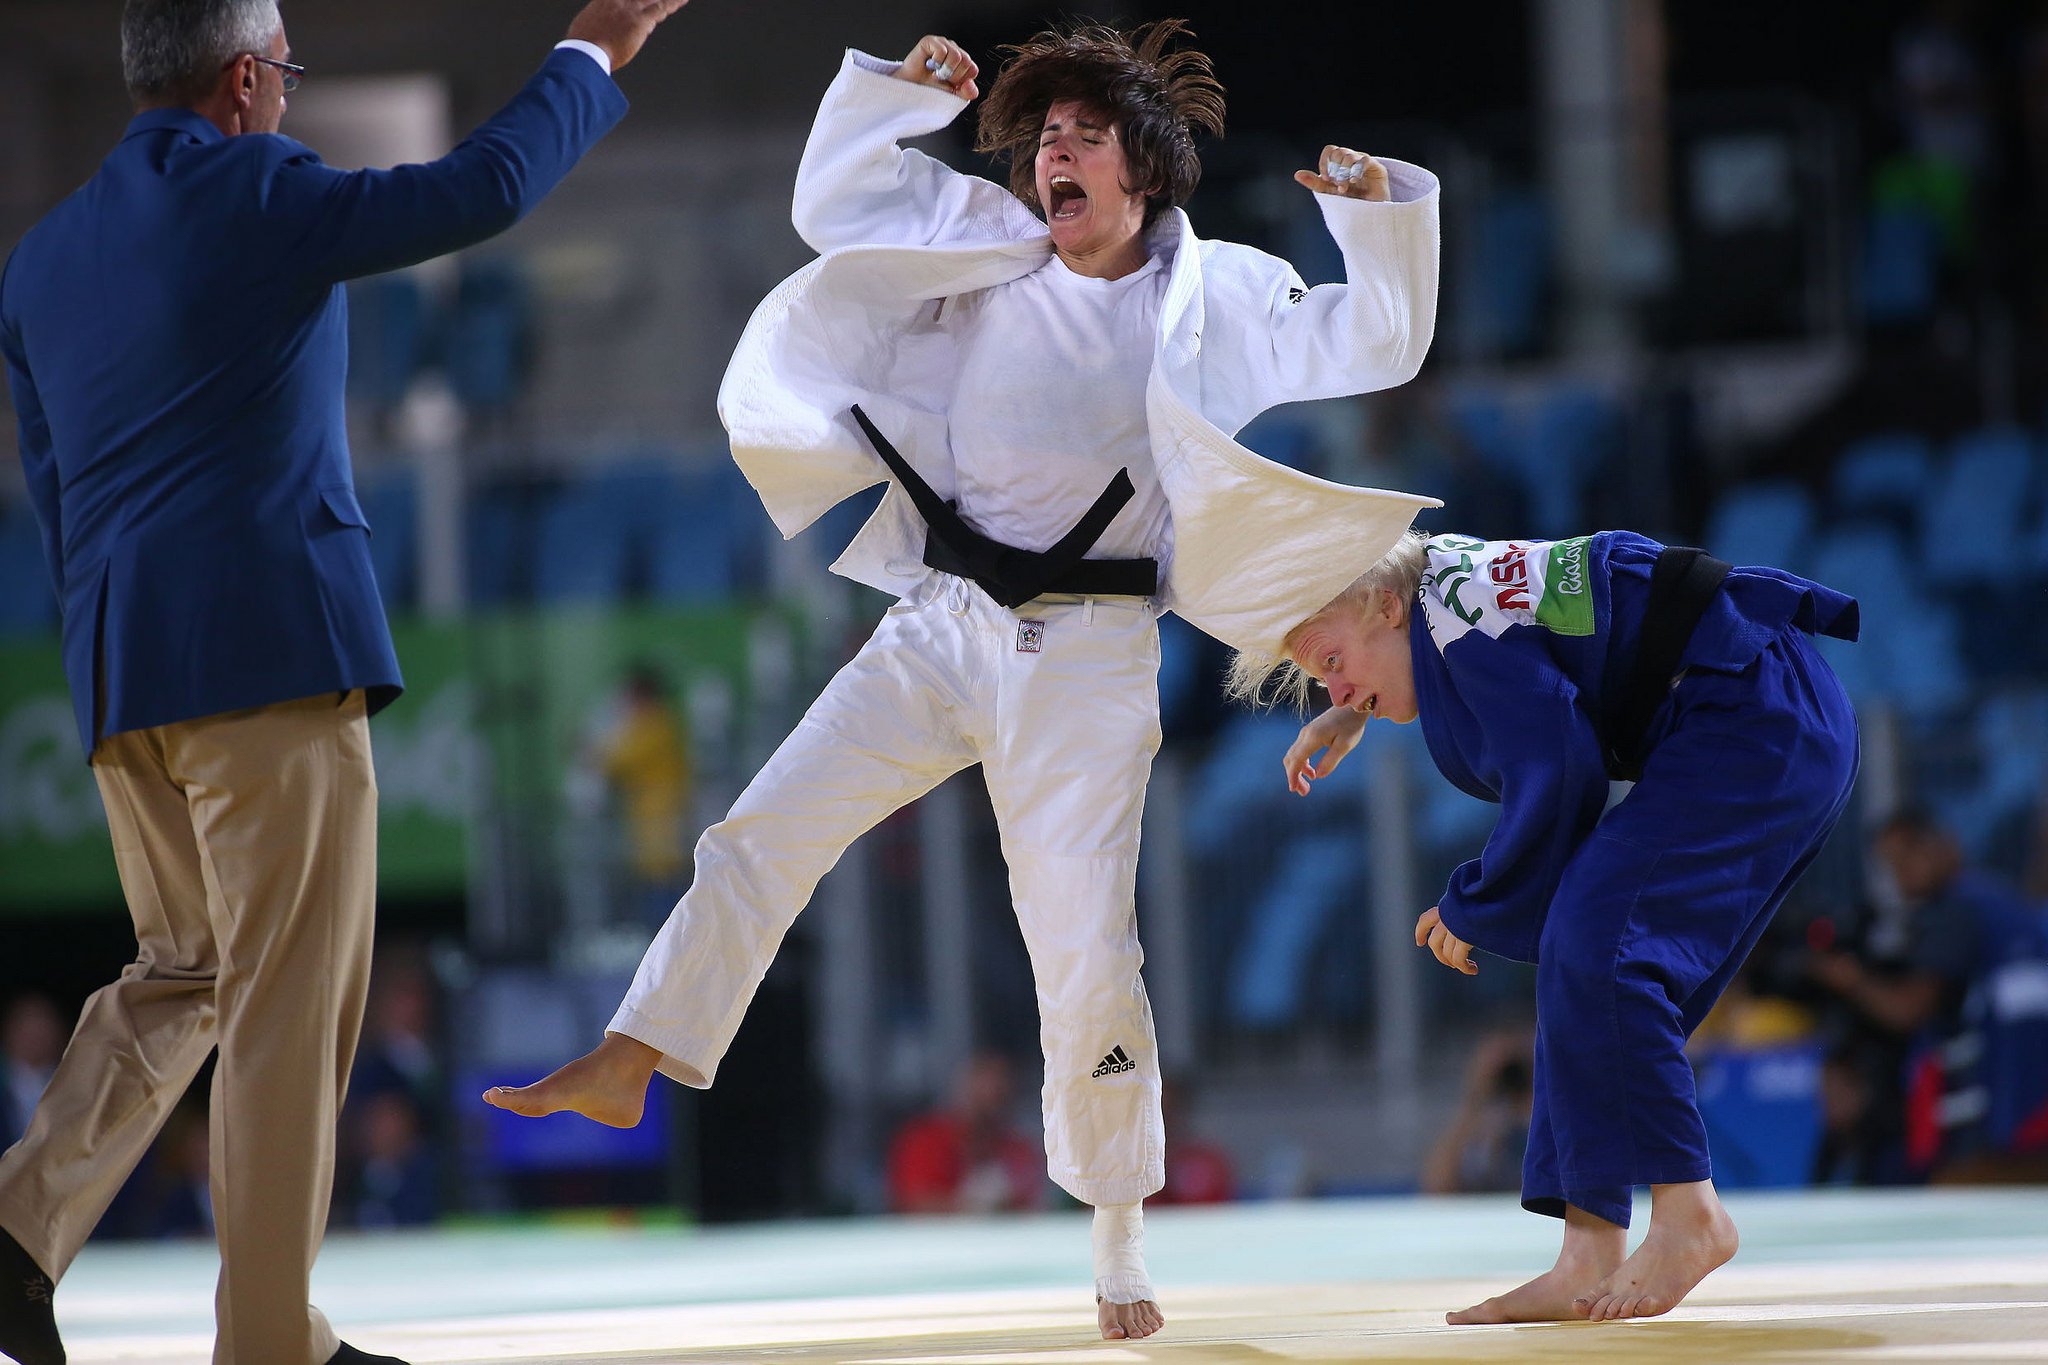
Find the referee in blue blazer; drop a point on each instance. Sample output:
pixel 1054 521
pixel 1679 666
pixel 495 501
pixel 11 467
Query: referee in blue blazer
pixel 175 338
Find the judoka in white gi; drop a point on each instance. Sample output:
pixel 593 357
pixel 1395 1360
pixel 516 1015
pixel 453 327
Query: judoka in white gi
pixel 1019 347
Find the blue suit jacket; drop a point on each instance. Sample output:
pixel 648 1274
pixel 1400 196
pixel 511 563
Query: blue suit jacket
pixel 176 337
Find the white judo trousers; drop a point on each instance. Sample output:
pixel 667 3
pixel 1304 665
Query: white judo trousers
pixel 1059 703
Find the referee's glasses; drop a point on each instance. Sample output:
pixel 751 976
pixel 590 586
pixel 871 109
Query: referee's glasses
pixel 293 72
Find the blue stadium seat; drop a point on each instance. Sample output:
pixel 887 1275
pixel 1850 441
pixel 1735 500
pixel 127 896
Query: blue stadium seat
pixel 1887 474
pixel 1284 440
pixel 1910 651
pixel 1572 433
pixel 1507 283
pixel 1242 773
pixel 1972 522
pixel 1575 434
pixel 752 533
pixel 583 549
pixel 1901 266
pixel 2010 737
pixel 498 546
pixel 27 604
pixel 388 338
pixel 1317 873
pixel 1483 420
pixel 695 548
pixel 1762 523
pixel 489 333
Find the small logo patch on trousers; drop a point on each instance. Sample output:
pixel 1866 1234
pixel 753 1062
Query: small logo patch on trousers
pixel 1114 1063
pixel 1030 637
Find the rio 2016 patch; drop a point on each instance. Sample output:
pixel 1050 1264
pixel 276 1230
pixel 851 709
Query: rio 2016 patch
pixel 1490 585
pixel 1030 637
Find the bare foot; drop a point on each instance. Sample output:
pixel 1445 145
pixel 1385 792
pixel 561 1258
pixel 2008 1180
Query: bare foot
pixel 608 1084
pixel 1547 1298
pixel 1593 1247
pixel 1128 1321
pixel 1690 1237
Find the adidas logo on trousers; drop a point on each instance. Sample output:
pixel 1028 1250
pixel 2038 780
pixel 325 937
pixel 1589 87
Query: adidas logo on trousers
pixel 1116 1061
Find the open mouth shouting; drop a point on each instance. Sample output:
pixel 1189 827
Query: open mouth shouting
pixel 1066 200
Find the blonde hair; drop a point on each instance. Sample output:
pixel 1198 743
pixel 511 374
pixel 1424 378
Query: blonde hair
pixel 1263 680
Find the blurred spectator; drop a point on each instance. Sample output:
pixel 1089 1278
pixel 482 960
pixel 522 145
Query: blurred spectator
pixel 1481 1148
pixel 395 1183
pixel 644 757
pixel 1197 1172
pixel 2031 78
pixel 399 1051
pixel 32 1037
pixel 969 1157
pixel 396 1117
pixel 1943 104
pixel 179 1195
pixel 1893 982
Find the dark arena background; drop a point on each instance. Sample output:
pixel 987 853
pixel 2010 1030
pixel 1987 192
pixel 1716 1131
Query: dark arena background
pixel 1767 278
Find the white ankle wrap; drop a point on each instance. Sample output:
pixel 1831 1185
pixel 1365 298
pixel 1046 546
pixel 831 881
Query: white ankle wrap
pixel 1119 1238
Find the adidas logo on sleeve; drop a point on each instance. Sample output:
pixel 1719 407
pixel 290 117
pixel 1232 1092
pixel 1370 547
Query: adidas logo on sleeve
pixel 1115 1062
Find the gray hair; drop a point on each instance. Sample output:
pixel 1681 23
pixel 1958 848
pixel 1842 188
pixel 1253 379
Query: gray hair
pixel 173 49
pixel 1264 680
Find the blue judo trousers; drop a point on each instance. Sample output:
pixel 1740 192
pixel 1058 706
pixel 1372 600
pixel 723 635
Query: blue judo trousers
pixel 1637 917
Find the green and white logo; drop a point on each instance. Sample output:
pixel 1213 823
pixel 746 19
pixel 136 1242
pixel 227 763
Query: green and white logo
pixel 1489 585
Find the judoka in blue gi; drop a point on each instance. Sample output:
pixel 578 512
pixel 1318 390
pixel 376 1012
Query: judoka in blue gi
pixel 1541 671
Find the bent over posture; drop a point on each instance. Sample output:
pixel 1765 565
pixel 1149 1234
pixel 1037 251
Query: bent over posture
pixel 1048 374
pixel 1540 670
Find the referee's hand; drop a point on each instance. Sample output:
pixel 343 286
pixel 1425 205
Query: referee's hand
pixel 620 27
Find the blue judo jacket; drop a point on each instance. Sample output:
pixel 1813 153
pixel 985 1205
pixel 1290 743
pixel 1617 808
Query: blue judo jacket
pixel 176 339
pixel 1521 651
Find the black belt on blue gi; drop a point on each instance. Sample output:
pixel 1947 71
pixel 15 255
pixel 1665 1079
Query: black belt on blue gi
pixel 1009 575
pixel 1682 583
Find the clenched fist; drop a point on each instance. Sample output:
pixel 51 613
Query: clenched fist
pixel 941 62
pixel 1352 174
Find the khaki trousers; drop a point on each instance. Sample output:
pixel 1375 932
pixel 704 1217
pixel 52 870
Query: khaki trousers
pixel 246 844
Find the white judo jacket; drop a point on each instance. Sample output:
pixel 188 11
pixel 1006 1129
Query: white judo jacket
pixel 1255 547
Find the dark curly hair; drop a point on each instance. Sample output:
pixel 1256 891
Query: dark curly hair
pixel 1154 98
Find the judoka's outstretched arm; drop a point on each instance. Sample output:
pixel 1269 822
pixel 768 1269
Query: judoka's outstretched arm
pixel 1271 339
pixel 857 186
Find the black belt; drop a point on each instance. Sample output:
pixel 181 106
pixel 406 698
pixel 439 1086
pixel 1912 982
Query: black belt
pixel 1682 584
pixel 1009 575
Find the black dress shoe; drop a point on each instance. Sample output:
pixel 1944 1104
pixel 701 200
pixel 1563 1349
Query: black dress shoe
pixel 28 1327
pixel 349 1355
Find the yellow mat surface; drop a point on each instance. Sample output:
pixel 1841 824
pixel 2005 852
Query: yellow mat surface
pixel 1923 1276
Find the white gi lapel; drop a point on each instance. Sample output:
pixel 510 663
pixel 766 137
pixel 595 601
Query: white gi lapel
pixel 1257 547
pixel 844 330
